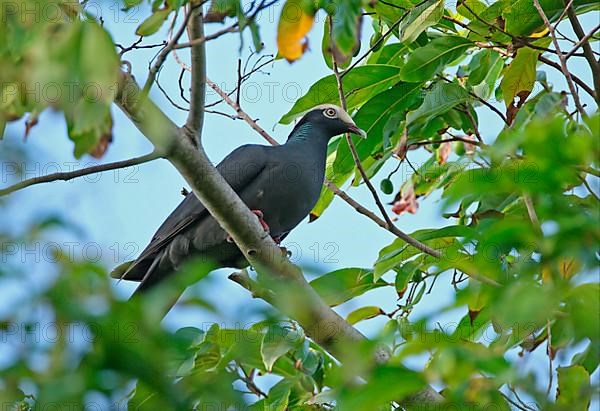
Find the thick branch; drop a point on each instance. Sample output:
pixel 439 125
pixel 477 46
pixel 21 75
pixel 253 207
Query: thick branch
pixel 69 175
pixel 195 29
pixel 321 322
pixel 299 301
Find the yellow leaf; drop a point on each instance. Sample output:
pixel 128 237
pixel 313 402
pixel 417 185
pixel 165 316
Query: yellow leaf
pixel 566 267
pixel 294 23
pixel 540 33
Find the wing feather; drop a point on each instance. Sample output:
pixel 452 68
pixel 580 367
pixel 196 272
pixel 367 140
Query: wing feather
pixel 239 168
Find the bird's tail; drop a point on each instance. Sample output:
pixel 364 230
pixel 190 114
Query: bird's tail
pixel 121 270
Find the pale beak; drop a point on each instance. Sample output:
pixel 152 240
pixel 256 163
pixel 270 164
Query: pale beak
pixel 353 128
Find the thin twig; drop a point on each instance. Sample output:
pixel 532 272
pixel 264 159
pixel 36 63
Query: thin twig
pixel 587 185
pixel 164 92
pixel 587 50
pixel 447 140
pixel 474 123
pixel 335 189
pixel 241 113
pixel 550 354
pixel 482 101
pixel 576 79
pixel 355 156
pixel 383 37
pixel 531 212
pixel 561 58
pixel 195 28
pixel 69 175
pixel 162 56
pixel 582 41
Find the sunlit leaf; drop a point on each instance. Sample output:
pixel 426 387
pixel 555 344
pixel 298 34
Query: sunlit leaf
pixel 276 342
pixel 363 313
pixel 574 390
pixel 153 23
pixel 295 22
pixel 426 61
pixel 420 18
pixel 342 285
pixel 359 84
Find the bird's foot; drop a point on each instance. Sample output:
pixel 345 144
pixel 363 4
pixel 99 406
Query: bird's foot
pixel 261 220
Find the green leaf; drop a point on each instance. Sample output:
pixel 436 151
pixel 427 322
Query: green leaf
pixel 326 47
pixel 153 23
pixel 520 75
pixel 99 63
pixel 391 54
pixel 581 302
pixel 87 124
pixel 279 396
pixel 372 117
pixel 219 9
pixel 359 84
pixel 345 30
pixel 524 304
pixel 476 6
pixel 378 390
pixel 485 87
pixel 276 342
pixel 574 390
pixel 589 358
pixel 425 62
pixel 255 30
pixel 363 313
pixel 342 285
pixel 399 251
pixel 420 19
pixel 443 97
pixel 523 19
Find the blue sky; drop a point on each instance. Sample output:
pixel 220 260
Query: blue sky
pixel 119 211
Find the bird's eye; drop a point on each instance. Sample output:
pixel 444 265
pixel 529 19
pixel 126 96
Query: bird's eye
pixel 330 112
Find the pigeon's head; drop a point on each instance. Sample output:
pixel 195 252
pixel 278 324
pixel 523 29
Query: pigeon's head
pixel 332 119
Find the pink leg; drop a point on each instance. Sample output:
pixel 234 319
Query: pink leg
pixel 262 222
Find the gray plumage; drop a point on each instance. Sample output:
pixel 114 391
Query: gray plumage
pixel 283 182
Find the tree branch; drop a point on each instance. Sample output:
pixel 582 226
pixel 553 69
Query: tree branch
pixel 195 28
pixel 241 113
pixel 164 53
pixel 576 79
pixel 349 141
pixel 561 58
pixel 587 49
pixel 69 175
pixel 331 186
pixel 320 322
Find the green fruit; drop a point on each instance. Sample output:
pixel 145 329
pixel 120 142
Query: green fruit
pixel 386 186
pixel 459 148
pixel 375 43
